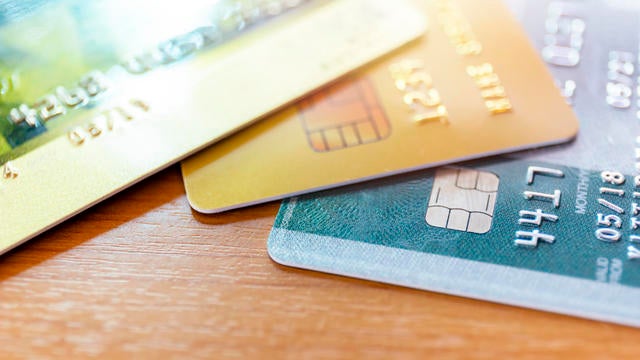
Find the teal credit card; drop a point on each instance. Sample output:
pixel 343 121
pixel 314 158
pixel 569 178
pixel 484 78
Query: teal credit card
pixel 555 229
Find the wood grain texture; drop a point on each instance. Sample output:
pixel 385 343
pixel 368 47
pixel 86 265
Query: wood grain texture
pixel 142 276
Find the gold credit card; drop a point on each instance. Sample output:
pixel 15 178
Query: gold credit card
pixel 472 86
pixel 91 101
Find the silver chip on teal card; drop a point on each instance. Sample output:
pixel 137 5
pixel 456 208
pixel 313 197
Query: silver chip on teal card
pixel 462 199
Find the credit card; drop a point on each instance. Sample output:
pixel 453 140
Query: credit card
pixel 556 229
pixel 457 94
pixel 96 95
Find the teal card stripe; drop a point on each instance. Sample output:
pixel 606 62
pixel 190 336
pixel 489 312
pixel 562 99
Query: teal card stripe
pixel 502 284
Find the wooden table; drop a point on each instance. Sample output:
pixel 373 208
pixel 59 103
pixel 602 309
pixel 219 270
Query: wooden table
pixel 141 275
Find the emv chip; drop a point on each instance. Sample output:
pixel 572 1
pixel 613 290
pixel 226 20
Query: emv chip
pixel 344 115
pixel 462 199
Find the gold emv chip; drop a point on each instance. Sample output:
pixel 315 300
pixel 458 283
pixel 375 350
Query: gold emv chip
pixel 344 115
pixel 462 199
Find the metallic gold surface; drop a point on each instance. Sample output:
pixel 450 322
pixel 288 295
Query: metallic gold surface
pixel 510 104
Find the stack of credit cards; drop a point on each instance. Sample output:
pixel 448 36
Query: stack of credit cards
pixel 425 118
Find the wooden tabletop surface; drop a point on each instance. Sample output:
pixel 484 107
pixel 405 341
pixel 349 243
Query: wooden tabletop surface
pixel 143 276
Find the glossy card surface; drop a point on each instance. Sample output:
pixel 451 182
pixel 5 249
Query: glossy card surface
pixel 472 86
pixel 556 229
pixel 91 101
